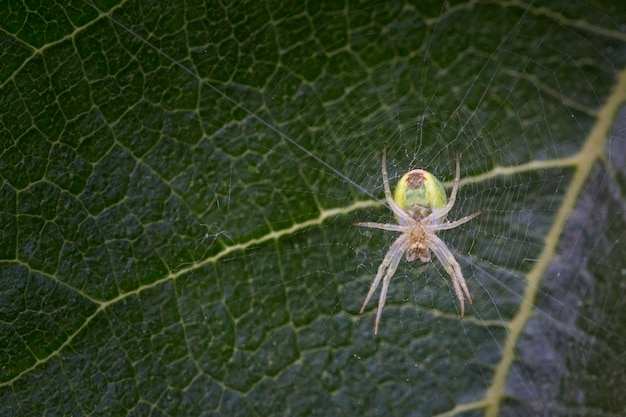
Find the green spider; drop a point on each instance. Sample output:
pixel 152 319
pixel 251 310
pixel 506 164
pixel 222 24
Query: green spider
pixel 420 206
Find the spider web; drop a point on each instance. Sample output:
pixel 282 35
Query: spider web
pixel 237 143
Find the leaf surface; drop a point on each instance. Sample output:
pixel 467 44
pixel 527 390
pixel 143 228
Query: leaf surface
pixel 179 183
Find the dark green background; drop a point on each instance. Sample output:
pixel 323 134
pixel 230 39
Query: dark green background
pixel 159 162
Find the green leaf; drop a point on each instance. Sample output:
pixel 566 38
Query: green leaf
pixel 180 183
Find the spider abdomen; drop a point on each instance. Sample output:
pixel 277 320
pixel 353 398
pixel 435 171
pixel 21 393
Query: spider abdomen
pixel 419 192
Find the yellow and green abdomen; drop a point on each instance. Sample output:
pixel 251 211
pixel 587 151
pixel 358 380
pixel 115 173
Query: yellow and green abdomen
pixel 418 192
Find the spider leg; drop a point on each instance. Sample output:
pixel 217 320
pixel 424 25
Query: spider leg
pixel 383 292
pixel 452 225
pixel 383 226
pixel 389 264
pixel 392 203
pixel 457 179
pixel 452 267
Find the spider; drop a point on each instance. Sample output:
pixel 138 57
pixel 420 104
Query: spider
pixel 420 206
